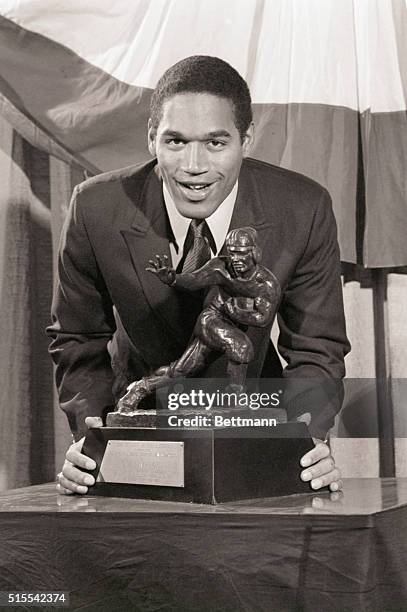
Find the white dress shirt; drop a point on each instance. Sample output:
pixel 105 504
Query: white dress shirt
pixel 218 222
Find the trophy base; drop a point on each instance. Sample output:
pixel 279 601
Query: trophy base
pixel 138 418
pixel 207 465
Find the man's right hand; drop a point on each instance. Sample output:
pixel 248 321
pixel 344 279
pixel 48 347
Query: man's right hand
pixel 72 479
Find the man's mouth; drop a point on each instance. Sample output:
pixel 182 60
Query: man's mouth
pixel 194 190
pixel 195 186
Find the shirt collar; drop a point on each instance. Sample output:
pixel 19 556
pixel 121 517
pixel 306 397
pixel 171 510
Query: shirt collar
pixel 218 222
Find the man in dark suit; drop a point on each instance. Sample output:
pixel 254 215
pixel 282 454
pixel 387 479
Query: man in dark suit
pixel 113 323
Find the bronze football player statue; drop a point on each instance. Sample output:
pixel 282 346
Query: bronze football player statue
pixel 240 293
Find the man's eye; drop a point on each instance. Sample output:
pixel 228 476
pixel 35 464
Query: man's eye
pixel 216 144
pixel 175 142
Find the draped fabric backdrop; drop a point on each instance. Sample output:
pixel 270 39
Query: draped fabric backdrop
pixel 329 85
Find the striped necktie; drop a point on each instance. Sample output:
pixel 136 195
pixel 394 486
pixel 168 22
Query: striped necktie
pixel 197 250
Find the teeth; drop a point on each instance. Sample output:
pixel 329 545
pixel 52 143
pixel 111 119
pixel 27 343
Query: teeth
pixel 194 186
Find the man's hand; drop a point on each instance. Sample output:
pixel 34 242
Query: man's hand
pixel 162 268
pixel 72 479
pixel 320 468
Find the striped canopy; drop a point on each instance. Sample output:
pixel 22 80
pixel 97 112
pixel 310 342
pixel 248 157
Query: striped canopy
pixel 328 80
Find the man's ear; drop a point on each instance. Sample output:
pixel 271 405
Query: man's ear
pixel 248 140
pixel 151 136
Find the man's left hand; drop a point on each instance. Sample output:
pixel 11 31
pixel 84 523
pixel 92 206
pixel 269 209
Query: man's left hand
pixel 320 469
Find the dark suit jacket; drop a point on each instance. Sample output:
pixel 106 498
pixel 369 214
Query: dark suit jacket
pixel 113 322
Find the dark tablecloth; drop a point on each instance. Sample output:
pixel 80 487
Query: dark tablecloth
pixel 302 552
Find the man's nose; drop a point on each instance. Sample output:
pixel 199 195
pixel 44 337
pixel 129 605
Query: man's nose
pixel 195 158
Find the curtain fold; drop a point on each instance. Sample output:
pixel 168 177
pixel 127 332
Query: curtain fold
pixel 33 433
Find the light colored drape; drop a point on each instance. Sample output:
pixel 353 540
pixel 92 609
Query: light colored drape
pixel 328 81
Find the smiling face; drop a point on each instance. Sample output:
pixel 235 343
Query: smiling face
pixel 199 151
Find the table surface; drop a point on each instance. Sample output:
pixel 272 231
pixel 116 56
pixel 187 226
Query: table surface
pixel 361 496
pixel 299 553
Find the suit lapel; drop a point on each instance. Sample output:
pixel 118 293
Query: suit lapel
pixel 147 237
pixel 249 207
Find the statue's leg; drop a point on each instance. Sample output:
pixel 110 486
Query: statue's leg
pixel 239 352
pixel 219 333
pixel 190 362
pixel 237 375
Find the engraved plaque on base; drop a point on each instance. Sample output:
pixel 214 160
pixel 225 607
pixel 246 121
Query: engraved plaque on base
pixel 142 462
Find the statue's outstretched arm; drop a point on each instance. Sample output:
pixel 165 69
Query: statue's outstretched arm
pixel 204 277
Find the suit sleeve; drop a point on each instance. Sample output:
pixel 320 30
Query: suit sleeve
pixel 82 325
pixel 313 337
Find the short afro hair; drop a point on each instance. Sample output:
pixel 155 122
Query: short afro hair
pixel 204 74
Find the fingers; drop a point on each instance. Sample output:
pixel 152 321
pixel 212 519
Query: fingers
pixel 93 422
pixel 325 466
pixel 72 479
pixel 320 451
pixel 71 473
pixel 60 489
pixel 160 261
pixel 75 457
pixel 320 469
pixel 331 479
pixel 323 474
pixel 153 267
pixel 337 485
pixel 68 487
